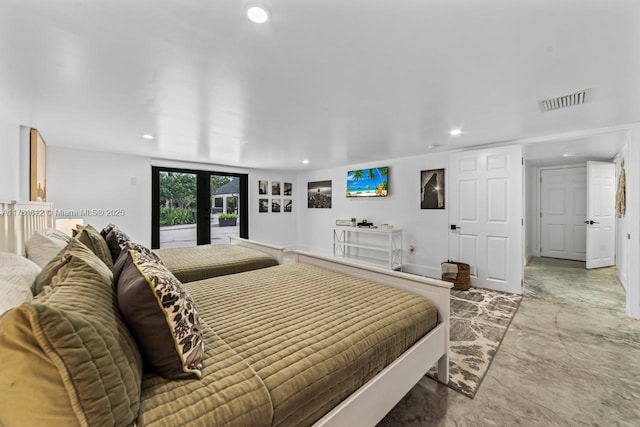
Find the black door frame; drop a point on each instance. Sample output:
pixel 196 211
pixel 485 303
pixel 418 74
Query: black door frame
pixel 203 193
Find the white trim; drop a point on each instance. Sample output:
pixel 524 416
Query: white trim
pixel 371 402
pixel 275 251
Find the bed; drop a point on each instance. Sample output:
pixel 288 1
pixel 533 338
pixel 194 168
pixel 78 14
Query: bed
pixel 205 261
pixel 311 343
pixel 267 363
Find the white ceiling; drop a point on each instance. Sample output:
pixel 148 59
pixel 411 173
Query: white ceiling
pixel 333 81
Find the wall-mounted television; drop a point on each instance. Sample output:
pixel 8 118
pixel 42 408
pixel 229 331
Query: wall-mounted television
pixel 372 182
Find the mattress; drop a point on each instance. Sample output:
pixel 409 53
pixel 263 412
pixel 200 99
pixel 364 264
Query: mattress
pixel 309 336
pixel 206 261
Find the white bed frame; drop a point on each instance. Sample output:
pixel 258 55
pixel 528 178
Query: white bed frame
pixel 371 402
pixel 20 220
pixel 275 251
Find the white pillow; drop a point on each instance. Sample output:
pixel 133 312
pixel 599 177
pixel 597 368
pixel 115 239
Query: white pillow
pixel 12 294
pixel 16 276
pixel 42 247
pixel 17 269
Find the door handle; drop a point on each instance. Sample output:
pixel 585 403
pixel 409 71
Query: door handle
pixel 455 227
pixel 591 222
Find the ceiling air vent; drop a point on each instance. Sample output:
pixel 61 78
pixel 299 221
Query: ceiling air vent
pixel 576 98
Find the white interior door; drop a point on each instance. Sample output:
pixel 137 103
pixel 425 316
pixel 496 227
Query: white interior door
pixel 563 209
pixel 601 234
pixel 486 211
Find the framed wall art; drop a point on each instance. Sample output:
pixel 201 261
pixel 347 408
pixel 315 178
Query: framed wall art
pixel 319 195
pixel 37 167
pixel 432 189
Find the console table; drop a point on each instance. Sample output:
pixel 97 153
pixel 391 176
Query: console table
pixel 382 248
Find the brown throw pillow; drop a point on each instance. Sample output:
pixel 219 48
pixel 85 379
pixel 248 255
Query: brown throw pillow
pixel 160 314
pixel 116 241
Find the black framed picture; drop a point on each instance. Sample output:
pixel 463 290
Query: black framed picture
pixel 288 205
pixel 432 189
pixel 263 205
pixel 275 188
pixel 319 194
pixel 288 189
pixel 275 205
pixel 263 187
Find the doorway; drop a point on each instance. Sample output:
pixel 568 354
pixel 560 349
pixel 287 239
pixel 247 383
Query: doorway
pixel 576 213
pixel 192 207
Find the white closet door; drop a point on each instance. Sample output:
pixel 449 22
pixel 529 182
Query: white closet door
pixel 486 211
pixel 563 209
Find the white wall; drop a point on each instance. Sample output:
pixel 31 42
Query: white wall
pixel 79 179
pixel 426 230
pixel 276 228
pixel 9 162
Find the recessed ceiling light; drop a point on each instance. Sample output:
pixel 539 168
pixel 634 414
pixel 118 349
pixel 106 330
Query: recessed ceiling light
pixel 258 14
pixel 569 155
pixel 305 161
pixel 147 136
pixel 455 132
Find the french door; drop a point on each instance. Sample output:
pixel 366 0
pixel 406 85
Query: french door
pixel 192 207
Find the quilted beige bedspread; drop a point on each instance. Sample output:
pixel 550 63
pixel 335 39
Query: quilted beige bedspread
pixel 206 261
pixel 308 336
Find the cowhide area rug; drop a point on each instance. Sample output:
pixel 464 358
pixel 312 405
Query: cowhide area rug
pixel 479 320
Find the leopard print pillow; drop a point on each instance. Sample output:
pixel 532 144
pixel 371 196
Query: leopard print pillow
pixel 161 315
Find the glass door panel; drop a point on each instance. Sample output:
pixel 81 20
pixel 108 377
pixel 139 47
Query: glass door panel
pixel 225 207
pixel 178 207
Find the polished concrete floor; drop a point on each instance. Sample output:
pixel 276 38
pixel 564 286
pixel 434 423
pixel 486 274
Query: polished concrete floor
pixel 570 358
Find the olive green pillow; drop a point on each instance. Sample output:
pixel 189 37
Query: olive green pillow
pixel 75 248
pixel 94 241
pixel 67 358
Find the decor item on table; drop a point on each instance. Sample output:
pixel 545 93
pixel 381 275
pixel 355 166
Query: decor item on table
pixel 227 220
pixel 373 182
pixel 38 167
pixel 343 223
pixel 457 273
pixel 386 227
pixel 275 188
pixel 288 205
pixel 432 189
pixel 365 224
pixel 275 205
pixel 288 189
pixel 353 222
pixel 263 187
pixel 263 205
pixel 319 194
pixel 479 320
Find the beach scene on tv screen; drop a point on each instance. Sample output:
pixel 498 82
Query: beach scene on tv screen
pixel 372 182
